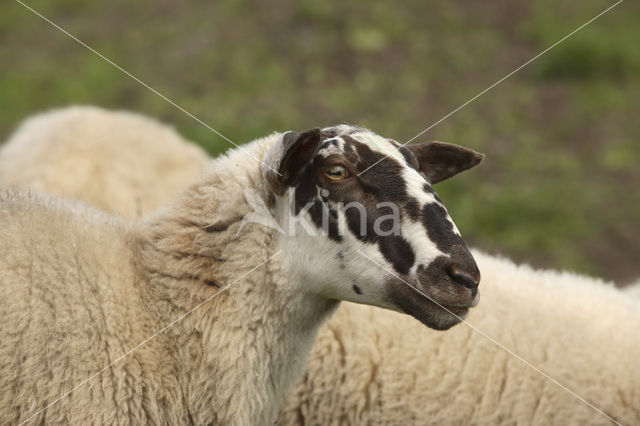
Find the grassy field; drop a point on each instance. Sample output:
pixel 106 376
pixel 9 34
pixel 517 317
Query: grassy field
pixel 559 184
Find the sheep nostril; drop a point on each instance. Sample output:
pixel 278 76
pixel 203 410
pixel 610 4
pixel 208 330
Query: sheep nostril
pixel 463 279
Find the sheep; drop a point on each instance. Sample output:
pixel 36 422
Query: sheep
pixel 354 375
pixel 105 158
pixel 376 367
pixel 85 295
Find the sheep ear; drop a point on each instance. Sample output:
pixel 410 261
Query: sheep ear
pixel 439 160
pixel 288 157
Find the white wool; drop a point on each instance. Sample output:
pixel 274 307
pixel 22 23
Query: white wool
pixel 633 290
pixel 105 158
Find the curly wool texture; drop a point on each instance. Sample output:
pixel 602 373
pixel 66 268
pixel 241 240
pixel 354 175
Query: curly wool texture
pixel 378 367
pixel 80 288
pixel 370 366
pixel 106 158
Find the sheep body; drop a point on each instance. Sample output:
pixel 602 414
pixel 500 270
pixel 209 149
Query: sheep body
pixel 105 158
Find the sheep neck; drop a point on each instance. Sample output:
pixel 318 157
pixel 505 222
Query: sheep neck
pixel 242 351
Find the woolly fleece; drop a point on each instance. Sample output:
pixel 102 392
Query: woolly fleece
pixel 633 290
pixel 106 158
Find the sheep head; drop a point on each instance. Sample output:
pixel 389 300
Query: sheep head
pixel 348 199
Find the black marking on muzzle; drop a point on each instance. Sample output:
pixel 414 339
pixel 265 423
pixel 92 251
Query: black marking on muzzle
pixel 398 252
pixel 439 228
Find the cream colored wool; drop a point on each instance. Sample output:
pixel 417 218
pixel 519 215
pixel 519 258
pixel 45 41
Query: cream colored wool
pixel 633 290
pixel 103 157
pixel 574 328
pixel 374 367
pixel 80 288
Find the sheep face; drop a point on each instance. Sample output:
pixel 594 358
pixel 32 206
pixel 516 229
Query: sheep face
pixel 348 199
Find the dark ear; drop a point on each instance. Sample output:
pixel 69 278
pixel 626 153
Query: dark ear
pixel 439 160
pixel 287 158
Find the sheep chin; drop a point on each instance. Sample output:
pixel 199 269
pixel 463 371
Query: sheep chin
pixel 425 309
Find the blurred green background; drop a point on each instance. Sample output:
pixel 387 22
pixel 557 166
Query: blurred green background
pixel 559 184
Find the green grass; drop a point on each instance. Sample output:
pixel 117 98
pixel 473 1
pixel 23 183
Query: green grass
pixel 559 184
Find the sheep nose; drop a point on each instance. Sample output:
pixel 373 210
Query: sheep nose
pixel 470 280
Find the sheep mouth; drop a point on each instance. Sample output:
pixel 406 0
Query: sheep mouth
pixel 460 311
pixel 428 310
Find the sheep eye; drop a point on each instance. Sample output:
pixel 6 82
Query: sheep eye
pixel 336 173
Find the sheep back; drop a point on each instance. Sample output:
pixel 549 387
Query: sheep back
pixel 117 161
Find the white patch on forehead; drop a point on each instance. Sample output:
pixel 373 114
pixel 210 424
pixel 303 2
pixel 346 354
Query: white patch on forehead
pixel 340 129
pixel 380 144
pixel 331 146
